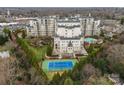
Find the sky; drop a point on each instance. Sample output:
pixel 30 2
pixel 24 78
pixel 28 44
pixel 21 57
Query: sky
pixel 62 3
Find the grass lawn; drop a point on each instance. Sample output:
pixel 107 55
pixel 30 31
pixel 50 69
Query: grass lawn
pixel 34 54
pixel 50 74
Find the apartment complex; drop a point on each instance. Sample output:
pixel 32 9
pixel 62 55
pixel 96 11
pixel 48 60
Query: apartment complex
pixel 68 32
pixel 46 26
pixel 68 37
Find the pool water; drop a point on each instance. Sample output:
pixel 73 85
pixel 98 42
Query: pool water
pixel 89 40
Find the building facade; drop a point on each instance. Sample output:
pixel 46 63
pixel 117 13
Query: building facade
pixel 46 26
pixel 12 26
pixel 41 26
pixel 90 26
pixel 68 37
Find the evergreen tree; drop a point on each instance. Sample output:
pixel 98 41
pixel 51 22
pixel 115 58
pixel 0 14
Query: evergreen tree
pixel 68 81
pixel 56 79
pixel 122 20
pixel 119 68
pixel 102 65
pixel 3 39
pixel 63 77
pixel 6 31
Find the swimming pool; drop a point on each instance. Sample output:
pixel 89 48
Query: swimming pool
pixel 90 40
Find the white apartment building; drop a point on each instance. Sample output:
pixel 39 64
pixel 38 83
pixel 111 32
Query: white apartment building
pixel 90 26
pixel 46 26
pixel 41 26
pixel 68 37
pixel 12 26
pixel 33 29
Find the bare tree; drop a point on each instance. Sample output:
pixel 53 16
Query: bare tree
pixel 88 70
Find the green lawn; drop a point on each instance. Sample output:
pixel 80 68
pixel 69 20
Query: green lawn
pixel 34 54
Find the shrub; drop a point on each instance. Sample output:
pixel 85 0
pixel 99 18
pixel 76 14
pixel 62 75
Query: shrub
pixel 3 39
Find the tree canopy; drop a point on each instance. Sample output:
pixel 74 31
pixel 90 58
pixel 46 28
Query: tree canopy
pixel 3 39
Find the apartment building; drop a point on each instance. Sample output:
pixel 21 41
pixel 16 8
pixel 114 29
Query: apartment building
pixel 90 26
pixel 12 26
pixel 47 25
pixel 68 37
pixel 44 26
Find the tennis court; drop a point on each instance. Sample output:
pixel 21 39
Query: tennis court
pixel 64 65
pixel 58 65
pixel 50 67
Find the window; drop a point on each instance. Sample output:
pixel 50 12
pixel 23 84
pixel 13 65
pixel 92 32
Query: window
pixel 62 44
pixel 56 46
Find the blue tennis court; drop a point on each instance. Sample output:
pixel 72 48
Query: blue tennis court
pixel 51 66
pixel 60 65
